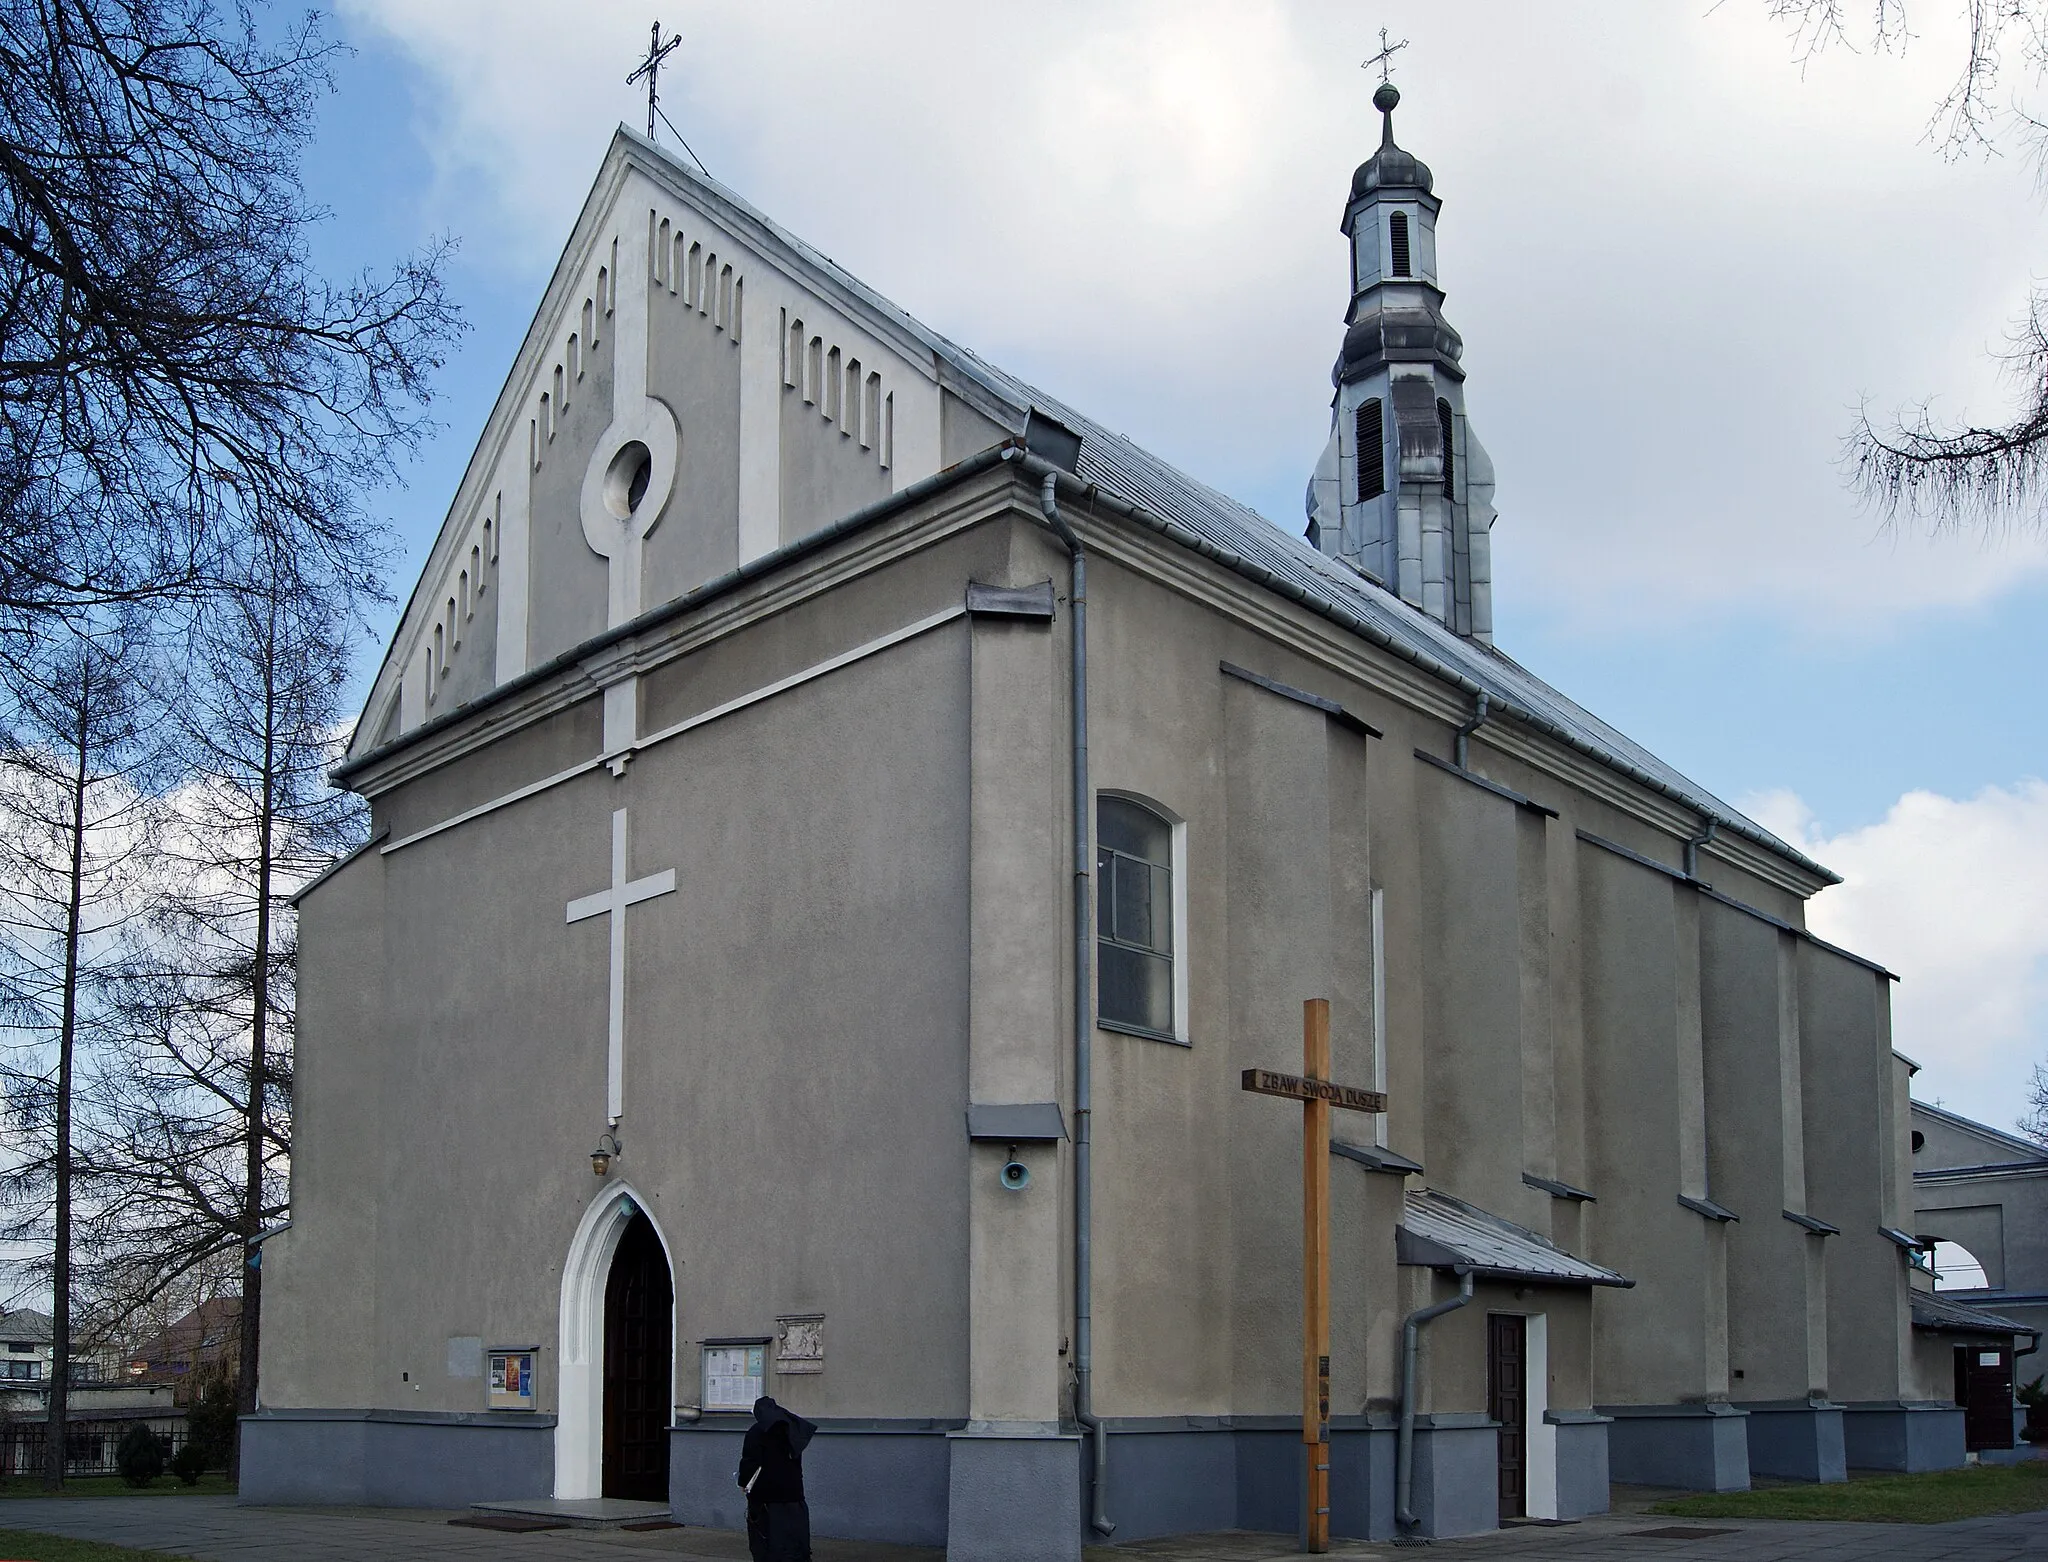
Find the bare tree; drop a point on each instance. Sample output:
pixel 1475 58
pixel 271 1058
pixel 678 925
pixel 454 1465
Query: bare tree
pixel 1948 477
pixel 201 1087
pixel 174 373
pixel 76 811
pixel 2034 1121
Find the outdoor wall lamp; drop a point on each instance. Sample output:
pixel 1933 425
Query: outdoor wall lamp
pixel 607 1146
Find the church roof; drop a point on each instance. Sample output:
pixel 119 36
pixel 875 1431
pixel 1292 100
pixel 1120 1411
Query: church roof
pixel 1234 534
pixel 1197 516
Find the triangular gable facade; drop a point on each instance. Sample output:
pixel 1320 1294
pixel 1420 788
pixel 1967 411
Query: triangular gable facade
pixel 1947 1139
pixel 694 393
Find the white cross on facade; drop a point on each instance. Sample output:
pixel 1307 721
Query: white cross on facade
pixel 613 902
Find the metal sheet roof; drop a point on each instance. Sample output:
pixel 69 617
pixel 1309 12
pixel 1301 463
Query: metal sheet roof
pixel 1932 1310
pixel 1240 536
pixel 1443 1232
pixel 1028 1122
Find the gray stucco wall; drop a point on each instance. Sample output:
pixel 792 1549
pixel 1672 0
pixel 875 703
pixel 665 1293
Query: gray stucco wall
pixel 1849 1172
pixel 493 1031
pixel 1902 1436
pixel 1658 1339
pixel 1756 1156
pixel 1698 1447
pixel 1797 1442
pixel 693 366
pixel 825 471
pixel 808 996
pixel 864 1481
pixel 391 1459
pixel 567 582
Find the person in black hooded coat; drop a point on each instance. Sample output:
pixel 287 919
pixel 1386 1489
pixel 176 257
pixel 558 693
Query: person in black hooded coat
pixel 772 1475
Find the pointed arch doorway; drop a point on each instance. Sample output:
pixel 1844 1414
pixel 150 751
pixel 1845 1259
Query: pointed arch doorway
pixel 639 1314
pixel 617 1345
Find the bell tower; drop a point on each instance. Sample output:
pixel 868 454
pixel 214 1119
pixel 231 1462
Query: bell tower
pixel 1404 491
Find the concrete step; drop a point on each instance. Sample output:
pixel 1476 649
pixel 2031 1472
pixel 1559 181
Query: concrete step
pixel 576 1512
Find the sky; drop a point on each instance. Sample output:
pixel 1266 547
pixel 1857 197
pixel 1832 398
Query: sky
pixel 1681 259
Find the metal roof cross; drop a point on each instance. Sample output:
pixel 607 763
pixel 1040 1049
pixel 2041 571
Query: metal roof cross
pixel 1385 58
pixel 650 69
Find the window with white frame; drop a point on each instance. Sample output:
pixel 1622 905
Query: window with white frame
pixel 1139 985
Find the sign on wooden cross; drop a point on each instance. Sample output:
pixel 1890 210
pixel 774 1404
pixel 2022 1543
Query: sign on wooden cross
pixel 1317 1093
pixel 613 903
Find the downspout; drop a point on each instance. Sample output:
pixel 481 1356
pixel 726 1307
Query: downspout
pixel 1411 1327
pixel 1465 730
pixel 1084 1018
pixel 1711 827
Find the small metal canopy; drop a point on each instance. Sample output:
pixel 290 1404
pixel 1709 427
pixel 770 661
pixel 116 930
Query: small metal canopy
pixel 1377 1158
pixel 1440 1232
pixel 1944 1315
pixel 1030 1122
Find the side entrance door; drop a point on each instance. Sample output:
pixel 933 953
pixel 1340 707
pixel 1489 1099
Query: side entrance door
pixel 1984 1390
pixel 1507 1401
pixel 639 1302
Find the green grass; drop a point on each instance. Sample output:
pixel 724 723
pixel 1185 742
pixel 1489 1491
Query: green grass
pixel 113 1486
pixel 1934 1498
pixel 20 1545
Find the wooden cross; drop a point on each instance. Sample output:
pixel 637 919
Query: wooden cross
pixel 613 903
pixel 1316 1092
pixel 649 69
pixel 1385 58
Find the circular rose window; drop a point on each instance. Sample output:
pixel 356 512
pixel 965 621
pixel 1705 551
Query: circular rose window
pixel 626 479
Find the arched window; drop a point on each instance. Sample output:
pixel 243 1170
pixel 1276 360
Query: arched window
pixel 1135 928
pixel 1444 427
pixel 1397 235
pixel 1956 1268
pixel 1372 449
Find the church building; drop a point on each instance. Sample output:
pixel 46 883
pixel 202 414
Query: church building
pixel 844 823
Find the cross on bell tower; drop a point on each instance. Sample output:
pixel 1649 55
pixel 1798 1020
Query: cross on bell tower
pixel 1384 59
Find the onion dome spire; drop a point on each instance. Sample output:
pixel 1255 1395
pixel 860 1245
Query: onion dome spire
pixel 1389 168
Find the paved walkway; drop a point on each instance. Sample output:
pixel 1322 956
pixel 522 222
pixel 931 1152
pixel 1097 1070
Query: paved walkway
pixel 215 1529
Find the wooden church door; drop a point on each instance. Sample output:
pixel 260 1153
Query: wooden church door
pixel 1984 1390
pixel 639 1300
pixel 1507 1399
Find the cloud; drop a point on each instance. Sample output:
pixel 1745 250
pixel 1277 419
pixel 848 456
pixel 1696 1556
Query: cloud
pixel 1953 895
pixel 1678 261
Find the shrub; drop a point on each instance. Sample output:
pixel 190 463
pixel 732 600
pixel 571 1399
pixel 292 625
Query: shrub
pixel 189 1463
pixel 2031 1394
pixel 139 1456
pixel 210 1422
